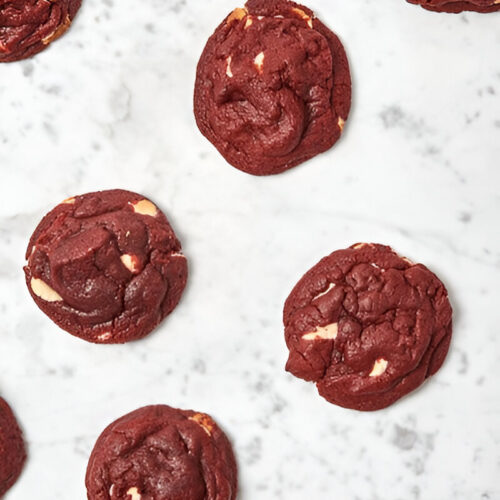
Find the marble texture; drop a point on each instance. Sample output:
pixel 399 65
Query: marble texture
pixel 109 105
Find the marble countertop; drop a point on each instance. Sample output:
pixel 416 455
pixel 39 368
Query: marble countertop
pixel 109 105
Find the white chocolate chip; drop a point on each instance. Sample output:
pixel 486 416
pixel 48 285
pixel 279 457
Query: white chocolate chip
pixel 304 16
pixel 104 336
pixel 363 245
pixel 68 201
pixel 134 493
pixel 144 207
pixel 59 31
pixel 379 367
pixel 203 421
pixel 229 72
pixel 131 262
pixel 402 257
pixel 248 22
pixel 259 62
pixel 237 15
pixel 341 123
pixel 330 287
pixel 111 490
pixel 329 332
pixel 44 291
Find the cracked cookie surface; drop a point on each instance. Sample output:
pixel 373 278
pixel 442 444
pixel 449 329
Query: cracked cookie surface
pixel 29 26
pixel 367 326
pixel 454 6
pixel 12 450
pixel 273 87
pixel 106 266
pixel 162 453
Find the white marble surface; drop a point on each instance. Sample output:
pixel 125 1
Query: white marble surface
pixel 109 105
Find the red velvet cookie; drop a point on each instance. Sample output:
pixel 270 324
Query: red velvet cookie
pixel 28 26
pixel 273 87
pixel 12 451
pixel 367 326
pixel 161 453
pixel 454 6
pixel 106 266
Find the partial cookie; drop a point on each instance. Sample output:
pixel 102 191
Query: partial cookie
pixel 273 87
pixel 106 266
pixel 367 326
pixel 161 453
pixel 12 451
pixel 451 6
pixel 29 26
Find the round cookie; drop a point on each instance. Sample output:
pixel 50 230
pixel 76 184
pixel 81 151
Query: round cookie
pixel 161 453
pixel 453 6
pixel 273 87
pixel 29 26
pixel 12 451
pixel 367 326
pixel 106 266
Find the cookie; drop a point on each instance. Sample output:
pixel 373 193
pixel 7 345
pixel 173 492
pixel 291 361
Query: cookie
pixel 451 6
pixel 367 326
pixel 12 450
pixel 273 87
pixel 161 453
pixel 106 266
pixel 29 26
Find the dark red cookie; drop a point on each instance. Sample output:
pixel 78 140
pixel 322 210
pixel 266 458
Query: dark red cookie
pixel 106 266
pixel 29 26
pixel 12 451
pixel 273 87
pixel 161 453
pixel 452 6
pixel 367 325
